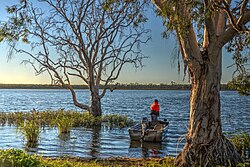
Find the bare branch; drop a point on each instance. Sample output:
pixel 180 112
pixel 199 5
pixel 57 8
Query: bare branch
pixel 85 40
pixel 231 31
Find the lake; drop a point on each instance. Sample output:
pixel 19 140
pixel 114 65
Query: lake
pixel 104 142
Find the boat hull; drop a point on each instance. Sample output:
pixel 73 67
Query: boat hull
pixel 150 135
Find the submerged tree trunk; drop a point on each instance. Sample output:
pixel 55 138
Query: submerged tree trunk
pixel 95 104
pixel 205 143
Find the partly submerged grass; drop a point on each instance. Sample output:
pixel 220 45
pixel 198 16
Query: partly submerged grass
pixel 30 123
pixel 65 120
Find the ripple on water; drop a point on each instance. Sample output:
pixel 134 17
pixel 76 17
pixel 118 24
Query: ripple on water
pixel 104 142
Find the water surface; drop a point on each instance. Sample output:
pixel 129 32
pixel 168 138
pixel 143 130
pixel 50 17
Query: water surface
pixel 104 142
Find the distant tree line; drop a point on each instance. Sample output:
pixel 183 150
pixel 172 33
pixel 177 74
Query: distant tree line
pixel 119 86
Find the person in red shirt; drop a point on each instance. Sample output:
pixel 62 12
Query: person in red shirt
pixel 155 109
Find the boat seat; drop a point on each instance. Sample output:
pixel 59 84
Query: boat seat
pixel 158 127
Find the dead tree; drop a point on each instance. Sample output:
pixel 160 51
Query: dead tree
pixel 88 41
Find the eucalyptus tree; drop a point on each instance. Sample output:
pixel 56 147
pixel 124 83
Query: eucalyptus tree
pixel 88 41
pixel 203 29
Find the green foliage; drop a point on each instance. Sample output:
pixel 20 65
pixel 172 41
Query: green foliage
pixel 242 143
pixel 15 28
pixel 165 162
pixel 241 84
pixel 241 76
pixel 68 163
pixel 174 19
pixel 18 158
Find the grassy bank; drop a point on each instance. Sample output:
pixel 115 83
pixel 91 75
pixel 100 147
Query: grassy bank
pixel 19 158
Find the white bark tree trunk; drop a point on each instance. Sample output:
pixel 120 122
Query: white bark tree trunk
pixel 205 143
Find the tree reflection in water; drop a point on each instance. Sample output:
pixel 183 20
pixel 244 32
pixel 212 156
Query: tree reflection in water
pixel 94 145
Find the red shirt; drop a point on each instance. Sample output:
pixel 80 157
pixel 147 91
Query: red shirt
pixel 155 107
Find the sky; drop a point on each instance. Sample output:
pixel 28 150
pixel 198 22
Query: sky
pixel 160 67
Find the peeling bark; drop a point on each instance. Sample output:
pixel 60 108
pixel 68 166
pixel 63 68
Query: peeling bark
pixel 205 143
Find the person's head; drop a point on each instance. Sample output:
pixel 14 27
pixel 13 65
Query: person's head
pixel 156 101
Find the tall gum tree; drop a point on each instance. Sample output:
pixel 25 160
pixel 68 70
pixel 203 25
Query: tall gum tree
pixel 219 22
pixel 85 40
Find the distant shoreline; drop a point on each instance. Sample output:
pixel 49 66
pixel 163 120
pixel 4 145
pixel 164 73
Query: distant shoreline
pixel 112 87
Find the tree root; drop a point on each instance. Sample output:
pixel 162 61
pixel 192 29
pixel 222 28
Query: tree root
pixel 220 152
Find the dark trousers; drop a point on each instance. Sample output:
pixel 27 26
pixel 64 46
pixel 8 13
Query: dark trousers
pixel 154 117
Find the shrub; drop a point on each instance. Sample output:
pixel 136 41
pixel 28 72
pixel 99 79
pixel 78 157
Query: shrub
pixel 18 158
pixel 242 143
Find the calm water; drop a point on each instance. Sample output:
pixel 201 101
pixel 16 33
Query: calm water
pixel 113 143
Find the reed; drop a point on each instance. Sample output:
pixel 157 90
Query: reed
pixel 31 130
pixel 64 119
pixel 116 120
pixel 16 118
pixel 64 122
pixel 3 119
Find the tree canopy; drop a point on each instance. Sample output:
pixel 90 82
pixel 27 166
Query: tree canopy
pixel 202 17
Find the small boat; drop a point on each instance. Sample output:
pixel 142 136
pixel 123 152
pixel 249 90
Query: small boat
pixel 149 131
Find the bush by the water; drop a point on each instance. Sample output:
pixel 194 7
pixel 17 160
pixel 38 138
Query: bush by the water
pixel 16 158
pixel 242 143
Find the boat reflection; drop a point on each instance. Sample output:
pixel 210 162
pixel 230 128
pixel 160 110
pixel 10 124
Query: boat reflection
pixel 148 149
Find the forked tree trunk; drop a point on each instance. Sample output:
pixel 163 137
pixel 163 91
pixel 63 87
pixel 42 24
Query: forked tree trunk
pixel 205 143
pixel 95 104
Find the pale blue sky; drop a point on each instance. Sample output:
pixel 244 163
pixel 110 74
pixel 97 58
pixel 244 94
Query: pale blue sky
pixel 160 67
